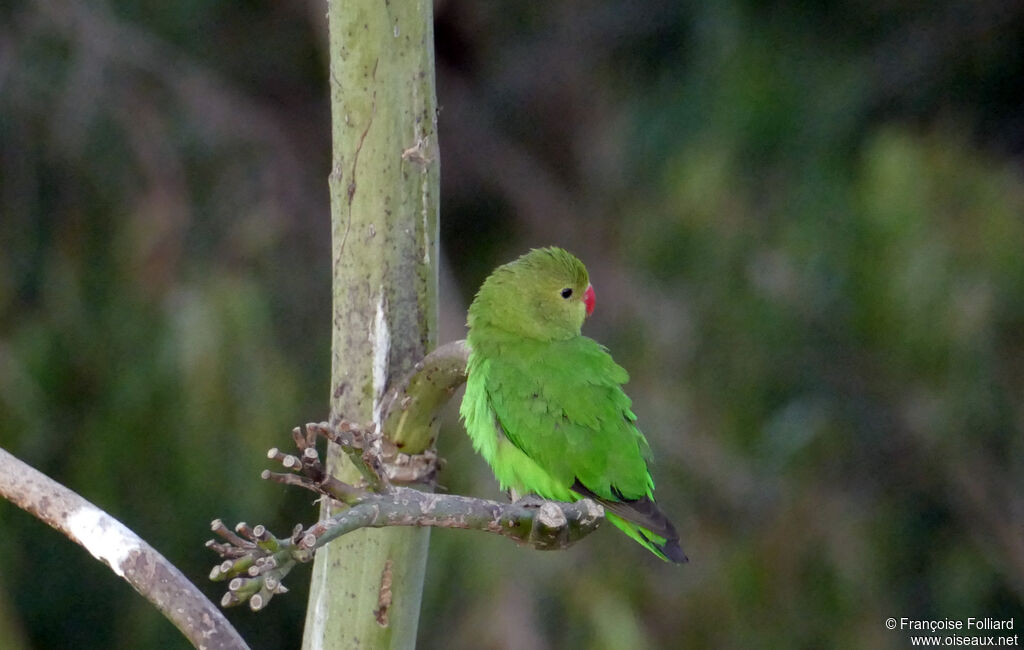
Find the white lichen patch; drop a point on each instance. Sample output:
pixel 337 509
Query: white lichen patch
pixel 428 236
pixel 106 538
pixel 318 619
pixel 381 352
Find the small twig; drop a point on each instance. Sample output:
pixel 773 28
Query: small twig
pixel 312 475
pixel 289 479
pixel 218 527
pixel 304 438
pixel 362 445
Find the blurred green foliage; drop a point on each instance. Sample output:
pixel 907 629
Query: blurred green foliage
pixel 805 224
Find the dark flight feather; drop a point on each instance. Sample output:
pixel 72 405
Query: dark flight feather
pixel 642 512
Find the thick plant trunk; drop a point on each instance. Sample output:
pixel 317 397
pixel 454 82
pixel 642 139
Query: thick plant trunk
pixel 366 586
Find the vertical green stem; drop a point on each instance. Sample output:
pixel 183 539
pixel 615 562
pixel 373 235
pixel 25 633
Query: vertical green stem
pixel 366 586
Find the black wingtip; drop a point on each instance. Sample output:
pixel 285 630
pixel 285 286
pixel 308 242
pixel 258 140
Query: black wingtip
pixel 670 550
pixel 642 512
pixel 674 552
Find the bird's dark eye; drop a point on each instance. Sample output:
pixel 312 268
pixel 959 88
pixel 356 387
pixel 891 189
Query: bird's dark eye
pixel 567 293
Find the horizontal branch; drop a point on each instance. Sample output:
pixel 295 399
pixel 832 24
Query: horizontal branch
pixel 256 562
pixel 131 558
pixel 543 525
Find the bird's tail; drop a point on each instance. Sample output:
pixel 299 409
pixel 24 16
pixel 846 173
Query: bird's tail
pixel 640 519
pixel 667 548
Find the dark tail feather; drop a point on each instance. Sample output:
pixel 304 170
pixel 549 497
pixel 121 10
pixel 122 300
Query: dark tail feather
pixel 670 549
pixel 649 523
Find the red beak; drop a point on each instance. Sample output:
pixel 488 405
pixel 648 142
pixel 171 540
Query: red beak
pixel 588 299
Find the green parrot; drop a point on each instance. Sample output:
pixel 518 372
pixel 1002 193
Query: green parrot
pixel 544 405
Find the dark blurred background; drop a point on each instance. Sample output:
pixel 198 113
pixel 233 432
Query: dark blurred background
pixel 804 222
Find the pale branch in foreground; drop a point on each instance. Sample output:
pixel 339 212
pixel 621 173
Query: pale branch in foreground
pixel 123 551
pixel 256 562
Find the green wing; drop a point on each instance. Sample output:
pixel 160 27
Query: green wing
pixel 562 404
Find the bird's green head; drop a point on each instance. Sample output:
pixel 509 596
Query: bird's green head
pixel 545 295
